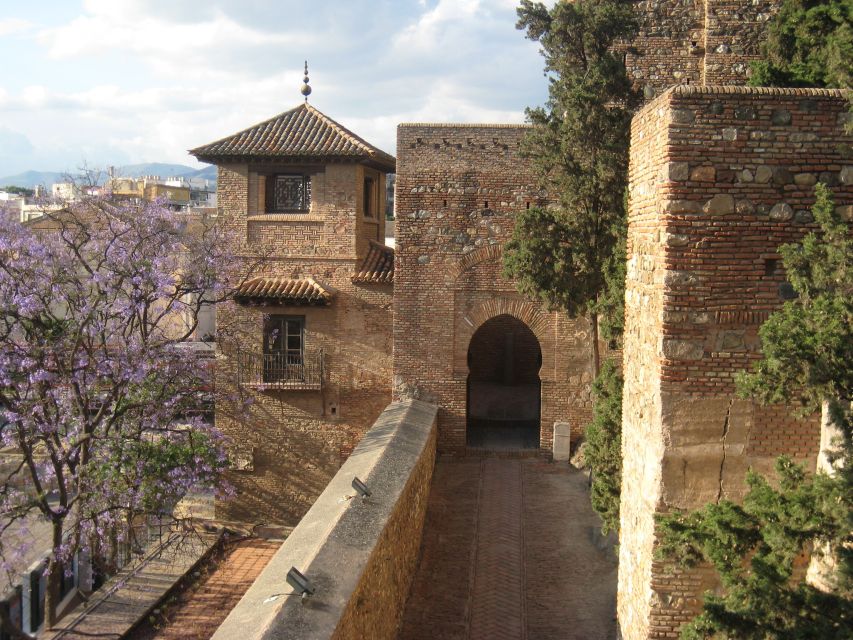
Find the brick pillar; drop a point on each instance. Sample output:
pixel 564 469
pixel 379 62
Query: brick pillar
pixel 720 177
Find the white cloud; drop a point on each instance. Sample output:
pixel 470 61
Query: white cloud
pixel 112 27
pixel 144 80
pixel 9 26
pixel 428 33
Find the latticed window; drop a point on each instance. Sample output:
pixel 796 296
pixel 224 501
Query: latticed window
pixel 288 192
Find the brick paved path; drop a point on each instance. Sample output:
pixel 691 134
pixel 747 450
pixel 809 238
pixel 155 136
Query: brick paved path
pixel 201 606
pixel 509 551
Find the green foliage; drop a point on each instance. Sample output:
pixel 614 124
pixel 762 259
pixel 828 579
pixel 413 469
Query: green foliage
pixel 567 254
pixel 808 344
pixel 809 44
pixel 754 548
pixel 603 451
pixel 807 357
pixel 21 191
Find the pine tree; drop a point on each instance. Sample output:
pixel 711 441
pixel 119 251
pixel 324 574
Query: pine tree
pixel 568 254
pixel 807 358
pixel 809 44
pixel 603 450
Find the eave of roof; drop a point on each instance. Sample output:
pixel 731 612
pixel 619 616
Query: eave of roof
pixel 302 134
pixel 377 266
pixel 283 291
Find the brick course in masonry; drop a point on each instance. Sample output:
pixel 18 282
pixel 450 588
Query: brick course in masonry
pixel 458 190
pixel 720 177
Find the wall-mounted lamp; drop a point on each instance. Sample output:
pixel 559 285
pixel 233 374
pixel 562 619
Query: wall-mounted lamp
pixel 300 583
pixel 360 487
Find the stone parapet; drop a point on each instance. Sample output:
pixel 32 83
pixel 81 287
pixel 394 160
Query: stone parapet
pixel 720 177
pixel 359 553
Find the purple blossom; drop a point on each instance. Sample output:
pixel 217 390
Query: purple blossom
pixel 92 383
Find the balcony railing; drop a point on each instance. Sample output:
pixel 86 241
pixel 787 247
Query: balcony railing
pixel 281 371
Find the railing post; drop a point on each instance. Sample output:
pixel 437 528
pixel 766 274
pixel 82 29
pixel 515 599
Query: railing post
pixel 32 596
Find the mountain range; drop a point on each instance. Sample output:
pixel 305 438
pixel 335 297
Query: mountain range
pixel 29 179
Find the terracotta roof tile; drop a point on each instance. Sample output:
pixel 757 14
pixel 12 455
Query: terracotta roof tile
pixel 378 265
pixel 294 291
pixel 303 133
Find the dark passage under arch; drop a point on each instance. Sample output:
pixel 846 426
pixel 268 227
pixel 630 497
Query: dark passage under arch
pixel 503 407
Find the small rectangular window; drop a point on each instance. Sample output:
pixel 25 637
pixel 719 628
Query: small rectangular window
pixel 288 193
pixel 284 348
pixel 368 197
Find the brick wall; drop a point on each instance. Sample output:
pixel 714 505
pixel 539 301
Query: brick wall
pixel 719 178
pixel 360 553
pixel 700 42
pixel 458 188
pixel 297 440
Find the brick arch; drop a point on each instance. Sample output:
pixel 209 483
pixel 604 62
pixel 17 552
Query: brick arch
pixel 530 313
pixel 470 260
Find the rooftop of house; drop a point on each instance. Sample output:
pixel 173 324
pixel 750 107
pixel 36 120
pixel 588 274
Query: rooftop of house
pixel 303 134
pixel 295 291
pixel 378 265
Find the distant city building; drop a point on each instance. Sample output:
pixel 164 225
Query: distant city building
pixel 66 191
pixel 174 191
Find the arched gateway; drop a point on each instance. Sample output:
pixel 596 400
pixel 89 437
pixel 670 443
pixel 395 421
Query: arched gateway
pixel 503 405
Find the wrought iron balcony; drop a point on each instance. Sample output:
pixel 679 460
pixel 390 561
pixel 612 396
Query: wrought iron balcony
pixel 281 371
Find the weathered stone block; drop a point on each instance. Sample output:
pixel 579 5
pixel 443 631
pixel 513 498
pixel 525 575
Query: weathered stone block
pixel 805 179
pixel 781 212
pixel 846 175
pixel 746 112
pixel 782 176
pixel 678 171
pixel 682 206
pixel 720 205
pixel 562 445
pixel 729 134
pixel 677 240
pixel 731 340
pixel 703 174
pixel 681 278
pixel 683 116
pixel 803 217
pixel 745 207
pixel 763 174
pixel 780 117
pixel 829 178
pixel 683 349
pixel 846 212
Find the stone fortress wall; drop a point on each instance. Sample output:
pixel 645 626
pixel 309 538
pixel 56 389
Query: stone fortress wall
pixel 697 42
pixel 458 189
pixel 720 177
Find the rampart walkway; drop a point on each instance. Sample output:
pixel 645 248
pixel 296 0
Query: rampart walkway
pixel 511 550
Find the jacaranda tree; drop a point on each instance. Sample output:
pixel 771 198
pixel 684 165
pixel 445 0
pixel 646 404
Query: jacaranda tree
pixel 97 391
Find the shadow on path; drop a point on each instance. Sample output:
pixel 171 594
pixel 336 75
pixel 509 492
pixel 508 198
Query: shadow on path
pixel 511 550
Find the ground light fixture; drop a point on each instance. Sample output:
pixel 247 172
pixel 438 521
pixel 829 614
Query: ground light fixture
pixel 360 487
pixel 301 585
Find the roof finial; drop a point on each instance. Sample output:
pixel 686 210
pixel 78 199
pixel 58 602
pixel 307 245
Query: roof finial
pixel 306 88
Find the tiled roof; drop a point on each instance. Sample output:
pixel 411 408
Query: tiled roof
pixel 378 264
pixel 292 291
pixel 303 133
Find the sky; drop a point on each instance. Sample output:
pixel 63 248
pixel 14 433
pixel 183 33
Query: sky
pixel 116 82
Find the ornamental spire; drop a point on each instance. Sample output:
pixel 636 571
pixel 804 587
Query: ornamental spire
pixel 306 88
